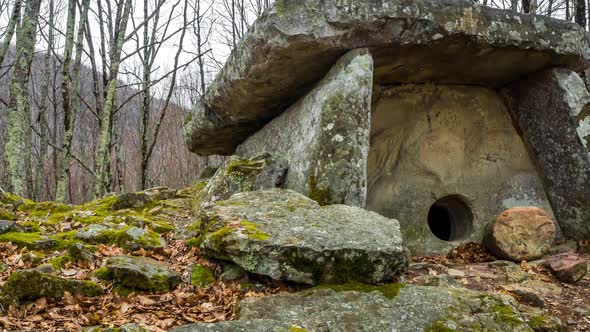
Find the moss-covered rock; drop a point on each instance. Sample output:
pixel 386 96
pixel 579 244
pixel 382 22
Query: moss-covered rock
pixel 129 237
pixel 6 226
pixel 6 213
pixel 141 273
pixel 201 277
pixel 79 252
pixel 240 175
pixel 287 236
pixel 35 241
pixel 29 285
pixel 131 201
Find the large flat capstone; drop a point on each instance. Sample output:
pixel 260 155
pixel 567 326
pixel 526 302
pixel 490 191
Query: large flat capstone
pixel 287 236
pixel 294 44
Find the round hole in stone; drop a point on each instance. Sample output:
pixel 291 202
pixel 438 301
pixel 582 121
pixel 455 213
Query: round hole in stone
pixel 450 218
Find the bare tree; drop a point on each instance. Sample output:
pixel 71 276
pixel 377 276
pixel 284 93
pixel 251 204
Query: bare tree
pixel 19 117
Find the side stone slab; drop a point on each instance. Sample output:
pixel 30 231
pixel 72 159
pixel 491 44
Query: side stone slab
pixel 551 110
pixel 324 137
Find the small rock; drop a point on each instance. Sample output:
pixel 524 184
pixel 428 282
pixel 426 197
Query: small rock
pixel 132 238
pixel 441 280
pixel 131 201
pixel 80 253
pixel 567 246
pixel 30 285
pixel 522 233
pixel 142 273
pixel 46 268
pixel 6 226
pixel 455 273
pixel 526 295
pixel 125 328
pixel 201 277
pixel 232 272
pixel 567 267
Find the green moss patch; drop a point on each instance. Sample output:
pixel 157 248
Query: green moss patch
pixel 202 277
pixel 29 285
pixel 28 240
pixel 390 291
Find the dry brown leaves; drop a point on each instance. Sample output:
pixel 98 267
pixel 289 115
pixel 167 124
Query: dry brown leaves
pixel 471 252
pixel 157 312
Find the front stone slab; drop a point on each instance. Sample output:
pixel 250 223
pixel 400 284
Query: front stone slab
pixel 286 236
pixel 294 43
pixel 324 137
pixel 551 109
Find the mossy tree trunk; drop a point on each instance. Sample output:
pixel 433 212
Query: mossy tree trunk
pixel 18 135
pixel 103 160
pixel 12 24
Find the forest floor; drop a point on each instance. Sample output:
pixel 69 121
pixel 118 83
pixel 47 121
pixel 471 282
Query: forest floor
pixel 470 267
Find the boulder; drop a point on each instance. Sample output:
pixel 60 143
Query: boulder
pixel 309 36
pixel 30 285
pixel 141 273
pixel 568 267
pixel 287 236
pixel 408 309
pixel 7 226
pixel 520 234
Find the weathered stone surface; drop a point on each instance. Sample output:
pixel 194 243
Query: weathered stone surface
pixel 547 107
pixel 568 267
pixel 255 325
pixel 30 285
pixel 431 142
pixel 324 136
pixel 129 237
pixel 533 292
pixel 7 226
pixel 287 236
pixel 415 308
pixel 125 328
pixel 240 175
pixel 142 273
pixel 254 86
pixel 520 234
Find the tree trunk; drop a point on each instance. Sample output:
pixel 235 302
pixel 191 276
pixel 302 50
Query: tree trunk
pixel 105 132
pixel 19 115
pixel 42 120
pixel 581 13
pixel 14 18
